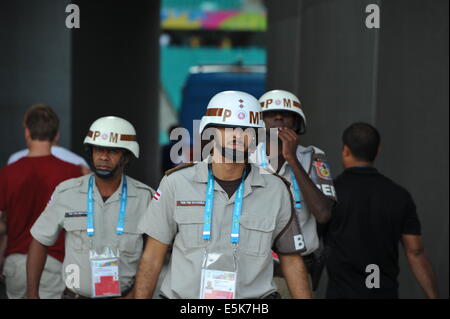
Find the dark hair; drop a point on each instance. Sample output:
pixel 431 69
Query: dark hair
pixel 42 122
pixel 363 141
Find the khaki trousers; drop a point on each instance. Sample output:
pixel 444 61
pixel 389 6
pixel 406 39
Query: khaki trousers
pixel 15 271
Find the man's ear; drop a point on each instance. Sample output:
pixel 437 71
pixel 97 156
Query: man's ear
pixel 56 139
pixel 346 151
pixel 27 133
pixel 126 157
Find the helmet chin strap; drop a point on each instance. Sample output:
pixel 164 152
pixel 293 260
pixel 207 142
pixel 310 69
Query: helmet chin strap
pixel 107 174
pixel 234 154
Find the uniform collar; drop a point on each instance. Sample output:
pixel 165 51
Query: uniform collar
pixel 131 187
pixel 254 179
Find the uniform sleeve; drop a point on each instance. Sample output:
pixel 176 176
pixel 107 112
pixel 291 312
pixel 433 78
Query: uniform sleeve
pixel 152 193
pixel 47 227
pixel 288 234
pixel 411 223
pixel 157 221
pixel 320 174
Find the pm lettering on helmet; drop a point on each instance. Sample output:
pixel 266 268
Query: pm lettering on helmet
pixel 96 134
pixel 113 131
pixel 254 117
pixel 266 103
pixel 226 114
pixel 287 102
pixel 113 137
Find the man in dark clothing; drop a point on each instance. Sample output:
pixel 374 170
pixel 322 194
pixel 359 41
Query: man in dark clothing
pixel 372 215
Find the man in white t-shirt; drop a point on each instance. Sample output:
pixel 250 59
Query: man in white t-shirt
pixel 57 151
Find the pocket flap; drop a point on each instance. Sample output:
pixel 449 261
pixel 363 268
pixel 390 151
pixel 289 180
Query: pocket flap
pixel 75 223
pixel 131 226
pixel 189 216
pixel 254 222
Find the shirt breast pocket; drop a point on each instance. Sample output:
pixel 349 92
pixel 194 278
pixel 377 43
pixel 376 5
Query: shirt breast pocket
pixel 190 227
pixel 76 234
pixel 256 235
pixel 131 241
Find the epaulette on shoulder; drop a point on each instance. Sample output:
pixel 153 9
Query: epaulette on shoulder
pixel 285 181
pixel 179 167
pixel 139 184
pixel 70 183
pixel 318 151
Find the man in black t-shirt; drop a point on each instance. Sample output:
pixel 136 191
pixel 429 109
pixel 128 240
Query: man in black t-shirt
pixel 372 216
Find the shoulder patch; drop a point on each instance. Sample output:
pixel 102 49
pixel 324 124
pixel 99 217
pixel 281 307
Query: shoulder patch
pixel 139 184
pixel 179 167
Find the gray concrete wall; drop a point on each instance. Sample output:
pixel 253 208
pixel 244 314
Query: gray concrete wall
pixel 110 66
pixel 115 71
pixel 395 77
pixel 412 115
pixel 35 59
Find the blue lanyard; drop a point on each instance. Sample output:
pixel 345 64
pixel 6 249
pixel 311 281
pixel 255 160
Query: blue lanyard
pixel 263 155
pixel 236 210
pixel 90 214
pixel 297 193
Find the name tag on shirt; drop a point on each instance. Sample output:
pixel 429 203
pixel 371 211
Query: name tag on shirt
pixel 75 214
pixel 187 203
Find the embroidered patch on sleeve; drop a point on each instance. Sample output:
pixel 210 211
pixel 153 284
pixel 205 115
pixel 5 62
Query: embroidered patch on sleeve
pixel 157 195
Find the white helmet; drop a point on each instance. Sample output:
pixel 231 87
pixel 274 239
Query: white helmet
pixel 283 101
pixel 112 131
pixel 232 108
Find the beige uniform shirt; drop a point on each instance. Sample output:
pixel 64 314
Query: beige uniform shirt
pixel 67 210
pixel 176 216
pixel 314 162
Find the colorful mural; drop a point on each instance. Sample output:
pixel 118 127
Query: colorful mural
pixel 231 20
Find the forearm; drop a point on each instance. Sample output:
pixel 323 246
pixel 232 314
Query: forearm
pixel 421 267
pixel 3 234
pixel 37 256
pixel 296 276
pixel 147 277
pixel 3 242
pixel 318 204
pixel 2 228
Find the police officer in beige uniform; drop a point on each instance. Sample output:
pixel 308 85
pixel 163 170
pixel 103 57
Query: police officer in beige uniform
pixel 222 218
pixel 306 168
pixel 100 213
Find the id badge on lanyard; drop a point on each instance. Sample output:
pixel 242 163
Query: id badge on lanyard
pixel 105 274
pixel 219 276
pixel 105 279
pixel 219 270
